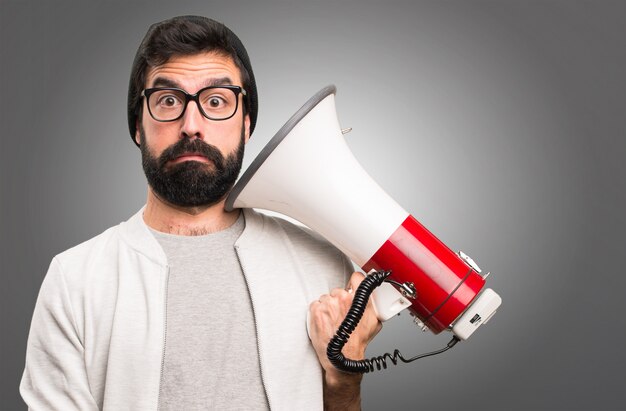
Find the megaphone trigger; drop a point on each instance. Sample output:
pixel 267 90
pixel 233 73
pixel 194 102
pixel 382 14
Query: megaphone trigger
pixel 389 301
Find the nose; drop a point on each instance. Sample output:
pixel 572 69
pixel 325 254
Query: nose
pixel 192 122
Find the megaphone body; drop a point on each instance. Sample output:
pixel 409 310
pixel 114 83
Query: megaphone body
pixel 307 172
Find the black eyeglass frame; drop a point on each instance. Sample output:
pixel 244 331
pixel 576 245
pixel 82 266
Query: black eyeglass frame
pixel 146 93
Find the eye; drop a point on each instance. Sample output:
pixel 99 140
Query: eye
pixel 168 101
pixel 215 102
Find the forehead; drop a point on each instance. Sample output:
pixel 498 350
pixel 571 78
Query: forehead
pixel 195 70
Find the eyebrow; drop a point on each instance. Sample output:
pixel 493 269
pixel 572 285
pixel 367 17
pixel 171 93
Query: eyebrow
pixel 166 82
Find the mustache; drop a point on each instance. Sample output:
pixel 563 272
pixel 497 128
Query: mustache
pixel 195 146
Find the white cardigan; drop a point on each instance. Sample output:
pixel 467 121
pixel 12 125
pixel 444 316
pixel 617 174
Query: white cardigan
pixel 97 335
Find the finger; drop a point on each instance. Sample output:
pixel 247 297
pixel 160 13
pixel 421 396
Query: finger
pixel 339 293
pixel 331 305
pixel 324 298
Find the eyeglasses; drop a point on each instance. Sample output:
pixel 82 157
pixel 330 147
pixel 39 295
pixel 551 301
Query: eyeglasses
pixel 215 102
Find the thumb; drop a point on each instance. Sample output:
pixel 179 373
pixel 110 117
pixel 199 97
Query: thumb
pixel 355 280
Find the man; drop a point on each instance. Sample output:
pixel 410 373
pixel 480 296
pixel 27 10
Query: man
pixel 185 305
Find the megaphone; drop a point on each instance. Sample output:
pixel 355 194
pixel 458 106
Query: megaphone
pixel 307 172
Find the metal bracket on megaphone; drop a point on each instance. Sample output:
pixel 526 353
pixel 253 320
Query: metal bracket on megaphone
pixel 389 301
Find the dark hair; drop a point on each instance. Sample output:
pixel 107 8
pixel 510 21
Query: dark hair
pixel 188 35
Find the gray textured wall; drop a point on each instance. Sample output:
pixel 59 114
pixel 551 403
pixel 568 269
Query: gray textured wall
pixel 498 124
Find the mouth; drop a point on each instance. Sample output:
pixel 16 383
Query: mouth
pixel 190 157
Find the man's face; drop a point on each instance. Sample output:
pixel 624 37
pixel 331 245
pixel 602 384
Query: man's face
pixel 193 161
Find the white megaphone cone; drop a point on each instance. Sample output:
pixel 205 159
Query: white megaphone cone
pixel 307 172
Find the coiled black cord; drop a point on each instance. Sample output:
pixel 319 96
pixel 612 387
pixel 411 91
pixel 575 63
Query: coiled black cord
pixel 341 337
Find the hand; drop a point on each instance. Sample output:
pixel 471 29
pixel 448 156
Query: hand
pixel 326 314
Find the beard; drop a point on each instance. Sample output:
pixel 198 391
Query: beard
pixel 191 183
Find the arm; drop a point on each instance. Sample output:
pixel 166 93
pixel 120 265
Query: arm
pixel 342 391
pixel 55 376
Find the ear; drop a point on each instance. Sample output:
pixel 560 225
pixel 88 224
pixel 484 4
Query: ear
pixel 246 124
pixel 137 132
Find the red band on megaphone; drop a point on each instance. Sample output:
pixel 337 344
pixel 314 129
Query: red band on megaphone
pixel 445 284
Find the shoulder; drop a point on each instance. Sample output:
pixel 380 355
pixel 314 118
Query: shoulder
pixel 276 236
pixel 75 273
pixel 90 249
pixel 297 234
pixel 123 241
pixel 92 272
pixel 98 259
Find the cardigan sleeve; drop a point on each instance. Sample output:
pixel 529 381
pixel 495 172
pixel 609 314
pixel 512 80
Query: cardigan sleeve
pixel 55 376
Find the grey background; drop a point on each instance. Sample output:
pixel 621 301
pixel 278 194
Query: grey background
pixel 498 124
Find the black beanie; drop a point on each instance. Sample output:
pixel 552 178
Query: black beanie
pixel 228 42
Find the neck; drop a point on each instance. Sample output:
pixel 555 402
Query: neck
pixel 168 218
